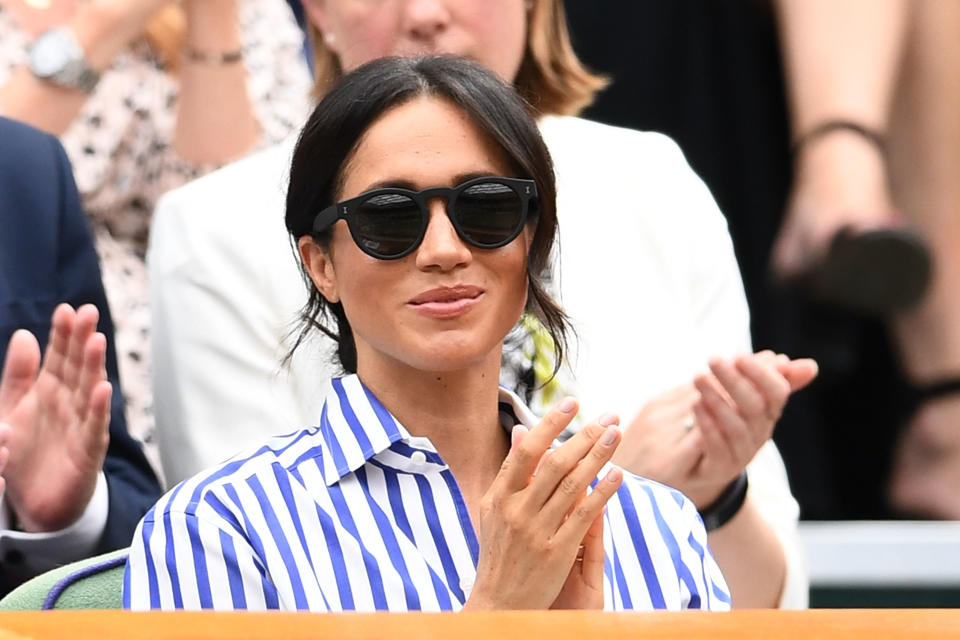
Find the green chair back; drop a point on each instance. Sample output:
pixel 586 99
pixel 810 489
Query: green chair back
pixel 95 583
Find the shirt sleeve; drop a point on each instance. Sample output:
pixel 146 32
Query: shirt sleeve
pixel 702 582
pixel 30 554
pixel 195 558
pixel 660 558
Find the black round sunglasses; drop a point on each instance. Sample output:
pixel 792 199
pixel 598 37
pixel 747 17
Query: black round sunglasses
pixel 390 223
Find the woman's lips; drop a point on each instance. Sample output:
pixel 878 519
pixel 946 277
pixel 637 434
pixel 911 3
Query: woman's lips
pixel 447 302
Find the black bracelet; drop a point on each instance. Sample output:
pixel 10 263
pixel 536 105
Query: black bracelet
pixel 829 126
pixel 727 504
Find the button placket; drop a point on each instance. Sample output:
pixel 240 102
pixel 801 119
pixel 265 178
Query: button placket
pixel 418 459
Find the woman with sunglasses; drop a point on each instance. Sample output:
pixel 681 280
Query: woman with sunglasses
pixel 422 202
pixel 628 205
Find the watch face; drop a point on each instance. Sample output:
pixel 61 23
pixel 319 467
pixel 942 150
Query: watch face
pixel 51 52
pixel 46 59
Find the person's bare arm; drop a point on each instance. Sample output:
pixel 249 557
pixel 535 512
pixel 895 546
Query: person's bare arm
pixel 103 28
pixel 751 557
pixel 841 60
pixel 215 118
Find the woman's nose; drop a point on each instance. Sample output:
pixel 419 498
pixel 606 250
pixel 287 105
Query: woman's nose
pixel 426 19
pixel 442 248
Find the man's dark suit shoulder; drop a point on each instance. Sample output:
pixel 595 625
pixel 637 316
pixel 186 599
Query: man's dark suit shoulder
pixel 47 256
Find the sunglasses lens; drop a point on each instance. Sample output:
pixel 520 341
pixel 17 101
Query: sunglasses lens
pixel 388 224
pixel 489 214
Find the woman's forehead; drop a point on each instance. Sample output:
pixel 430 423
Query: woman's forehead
pixel 426 141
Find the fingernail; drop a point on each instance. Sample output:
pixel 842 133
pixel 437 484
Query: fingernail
pixel 608 419
pixel 608 437
pixel 567 405
pixel 516 433
pixel 613 475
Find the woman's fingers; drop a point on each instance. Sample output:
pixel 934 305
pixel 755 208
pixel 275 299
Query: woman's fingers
pixel 731 425
pixel 591 562
pixel 799 373
pixel 525 455
pixel 746 398
pixel 715 447
pixel 575 527
pixel 568 489
pixel 557 463
pixel 771 384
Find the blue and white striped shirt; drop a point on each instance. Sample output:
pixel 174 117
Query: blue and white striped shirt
pixel 357 514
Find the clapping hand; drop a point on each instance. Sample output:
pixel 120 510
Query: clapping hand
pixel 699 437
pixel 54 420
pixel 541 534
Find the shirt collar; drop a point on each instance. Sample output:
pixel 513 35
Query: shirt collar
pixel 355 426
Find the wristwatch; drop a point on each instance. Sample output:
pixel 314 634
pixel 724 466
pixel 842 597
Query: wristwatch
pixel 57 57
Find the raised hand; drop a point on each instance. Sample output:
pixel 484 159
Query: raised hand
pixel 57 419
pixel 535 517
pixel 698 437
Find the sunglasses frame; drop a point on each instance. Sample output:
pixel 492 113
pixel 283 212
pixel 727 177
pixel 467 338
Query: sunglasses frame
pixel 346 210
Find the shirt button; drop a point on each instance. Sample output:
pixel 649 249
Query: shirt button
pixel 466 585
pixel 418 458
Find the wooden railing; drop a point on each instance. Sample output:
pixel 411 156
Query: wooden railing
pixel 823 624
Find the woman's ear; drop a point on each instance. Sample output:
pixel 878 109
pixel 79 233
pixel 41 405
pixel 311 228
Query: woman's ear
pixel 318 263
pixel 319 16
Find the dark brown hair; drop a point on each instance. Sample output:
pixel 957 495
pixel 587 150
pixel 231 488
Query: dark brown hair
pixel 343 116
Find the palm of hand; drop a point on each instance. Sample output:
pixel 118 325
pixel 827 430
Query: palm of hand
pixel 734 408
pixel 58 422
pixel 49 478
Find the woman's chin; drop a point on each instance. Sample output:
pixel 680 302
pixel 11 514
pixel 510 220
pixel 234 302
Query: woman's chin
pixel 448 356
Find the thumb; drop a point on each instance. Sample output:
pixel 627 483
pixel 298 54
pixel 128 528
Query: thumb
pixel 19 369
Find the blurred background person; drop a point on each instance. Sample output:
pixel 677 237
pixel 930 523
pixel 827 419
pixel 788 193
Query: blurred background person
pixel 823 128
pixel 145 95
pixel 67 493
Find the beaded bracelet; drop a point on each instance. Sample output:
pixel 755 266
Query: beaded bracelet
pixel 727 504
